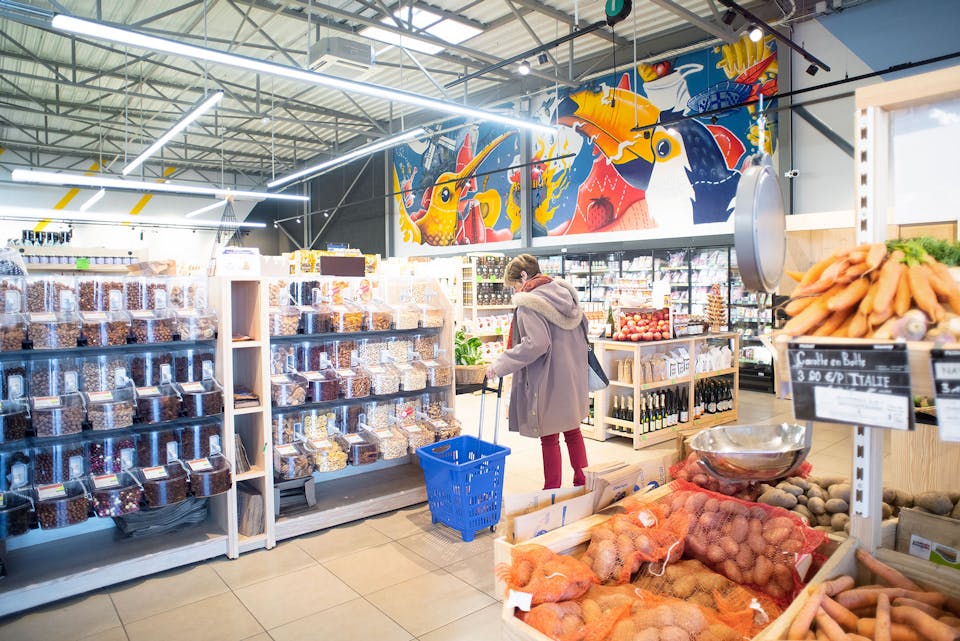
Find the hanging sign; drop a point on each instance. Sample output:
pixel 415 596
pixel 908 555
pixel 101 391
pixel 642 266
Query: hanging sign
pixel 859 384
pixel 946 390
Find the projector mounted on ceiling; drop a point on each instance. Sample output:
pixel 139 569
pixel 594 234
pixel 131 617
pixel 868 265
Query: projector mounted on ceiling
pixel 342 57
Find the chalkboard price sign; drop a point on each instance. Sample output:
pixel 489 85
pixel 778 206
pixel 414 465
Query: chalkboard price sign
pixel 946 388
pixel 861 384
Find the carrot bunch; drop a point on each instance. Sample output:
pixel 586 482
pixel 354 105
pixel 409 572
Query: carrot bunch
pixel 861 291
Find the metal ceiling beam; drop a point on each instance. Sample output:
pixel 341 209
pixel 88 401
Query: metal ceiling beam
pixel 533 34
pixel 246 18
pixel 167 13
pixel 567 19
pixel 721 31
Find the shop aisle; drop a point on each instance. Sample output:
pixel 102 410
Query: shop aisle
pixel 391 578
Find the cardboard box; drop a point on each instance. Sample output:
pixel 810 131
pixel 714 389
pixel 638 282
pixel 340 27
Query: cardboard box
pixel 515 505
pixel 930 537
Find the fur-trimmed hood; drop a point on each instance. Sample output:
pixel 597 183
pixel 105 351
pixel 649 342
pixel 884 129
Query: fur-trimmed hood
pixel 556 301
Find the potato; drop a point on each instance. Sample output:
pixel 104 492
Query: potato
pixel 803 484
pixel 777 522
pixel 685 586
pixel 936 502
pixel 731 570
pixel 715 553
pixel 835 506
pixel 673 633
pixel 887 510
pixel 802 499
pixel 792 543
pixel 954 496
pixel 755 539
pixel 803 513
pixel 695 502
pixel 829 481
pixel 837 521
pixel 840 491
pixel 779 498
pixel 730 547
pixel 904 499
pixel 790 488
pixel 823 519
pixel 817 505
pixel 733 507
pixel 956 511
pixel 776 535
pixel 889 495
pixel 745 557
pixel 762 570
pixel 739 528
pixel 816 492
pixel 712 505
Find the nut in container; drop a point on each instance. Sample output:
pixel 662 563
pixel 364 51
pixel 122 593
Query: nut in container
pixel 417 435
pixel 54 376
pixel 439 373
pixel 392 443
pixel 157 403
pixel 57 415
pixel 193 365
pixel 16 514
pixel 51 293
pixel 209 476
pixel 13 332
pixel 377 317
pixel 60 462
pixel 115 494
pixel 283 320
pixel 53 330
pixel 290 461
pixel 347 317
pixel 198 441
pixel 196 324
pixel 287 427
pixel 152 326
pixel 151 368
pixel 322 385
pixel 328 456
pixel 14 419
pixel 412 376
pixel 100 329
pixel 287 390
pixel 360 450
pixel 354 382
pixel 201 398
pixel 61 504
pixel 104 372
pixel 164 484
pixel 384 379
pixel 148 293
pixel 110 410
pixel 112 454
pixel 158 447
pixel 99 293
pixel 316 422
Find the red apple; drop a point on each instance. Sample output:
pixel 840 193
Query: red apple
pixel 657 336
pixel 635 338
pixel 648 336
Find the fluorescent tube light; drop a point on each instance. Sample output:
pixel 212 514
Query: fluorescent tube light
pixel 359 152
pixel 197 212
pixel 62 215
pixel 152 43
pixel 76 180
pixel 92 200
pixel 203 108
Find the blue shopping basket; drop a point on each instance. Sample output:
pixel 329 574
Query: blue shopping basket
pixel 464 477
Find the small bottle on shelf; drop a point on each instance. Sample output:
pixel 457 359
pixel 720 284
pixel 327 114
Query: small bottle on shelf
pixel 711 400
pixel 684 406
pixel 630 408
pixel 616 407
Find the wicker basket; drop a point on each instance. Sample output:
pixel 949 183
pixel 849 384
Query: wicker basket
pixel 470 374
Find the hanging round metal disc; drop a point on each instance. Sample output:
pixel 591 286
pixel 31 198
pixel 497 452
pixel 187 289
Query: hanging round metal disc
pixel 760 226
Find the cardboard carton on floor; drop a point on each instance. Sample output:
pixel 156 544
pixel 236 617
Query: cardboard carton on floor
pixel 930 537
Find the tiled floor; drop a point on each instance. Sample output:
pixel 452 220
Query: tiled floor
pixel 391 578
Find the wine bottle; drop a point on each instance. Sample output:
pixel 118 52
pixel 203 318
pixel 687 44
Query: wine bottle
pixel 684 407
pixel 616 407
pixel 674 407
pixel 712 399
pixel 630 408
pixel 610 323
pixel 658 412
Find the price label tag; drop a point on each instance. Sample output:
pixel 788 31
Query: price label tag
pixel 187 313
pixel 376 370
pixel 100 397
pixel 200 465
pixel 324 444
pixel 404 367
pixel 859 384
pixel 148 391
pixel 353 439
pixel 56 491
pixel 83 263
pixel 46 402
pixel 412 429
pixel 280 379
pixel 95 316
pixel 312 376
pixel 345 373
pixel 154 473
pixel 287 450
pixel 192 388
pixel 141 314
pixel 520 600
pixel 383 433
pixel 43 317
pixel 946 390
pixel 431 363
pixel 106 481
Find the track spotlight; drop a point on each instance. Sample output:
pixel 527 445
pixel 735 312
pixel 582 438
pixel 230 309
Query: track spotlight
pixel 542 58
pixel 299 221
pixel 326 214
pixel 755 33
pixel 728 17
pixel 813 69
pixel 523 68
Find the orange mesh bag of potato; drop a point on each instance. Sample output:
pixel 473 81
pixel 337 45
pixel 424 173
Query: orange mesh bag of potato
pixel 693 470
pixel 590 618
pixel 655 617
pixel 746 611
pixel 549 577
pixel 644 533
pixel 758 546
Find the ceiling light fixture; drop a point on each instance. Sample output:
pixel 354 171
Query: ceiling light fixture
pixel 813 69
pixel 143 41
pixel 728 17
pixel 359 152
pixel 76 180
pixel 185 122
pixel 755 33
pixel 62 215
pixel 202 210
pixel 523 68
pixel 92 200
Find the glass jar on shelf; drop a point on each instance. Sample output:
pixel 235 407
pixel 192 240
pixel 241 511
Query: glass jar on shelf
pixel 99 293
pixel 115 494
pixel 151 325
pixel 209 476
pixel 53 330
pixel 291 461
pixel 14 420
pixel 51 293
pixel 61 504
pixel 148 293
pixel 347 317
pixel 360 450
pixel 164 484
pixel 283 320
pixel 57 415
pixel 201 398
pixel 158 447
pixel 112 454
pixel 287 390
pixel 51 377
pixel 60 462
pixel 328 456
pixel 196 324
pixel 13 332
pixel 100 329
pixel 110 410
pixel 193 365
pixel 151 368
pixel 104 372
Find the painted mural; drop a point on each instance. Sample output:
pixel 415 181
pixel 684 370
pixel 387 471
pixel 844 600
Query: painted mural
pixel 626 156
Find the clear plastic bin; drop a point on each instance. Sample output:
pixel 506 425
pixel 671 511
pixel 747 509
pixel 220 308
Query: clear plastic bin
pixel 59 462
pixel 400 349
pixel 112 454
pixel 196 324
pixel 198 441
pixel 287 426
pixel 287 390
pixel 104 372
pixel 51 293
pixel 406 410
pixel 417 436
pixel 316 422
pixel 283 321
pixel 13 331
pixel 201 398
pixel 354 382
pixel 392 443
pixel 115 494
pixel 323 385
pixel 148 293
pixel 444 428
pixel 56 415
pixel 158 447
pixel 151 368
pixel 377 317
pixel 209 476
pixel 278 292
pixel 16 514
pixel 406 315
pixel 152 326
pixel 100 329
pixel 426 345
pixel 348 418
pixel 412 376
pixel 157 404
pixel 189 292
pixel 433 405
pixel 164 484
pixel 61 504
pixel 99 293
pixel 371 352
pixel 316 317
pixel 347 317
pixel 283 358
pixel 16 469
pixel 11 294
pixel 193 365
pixel 430 315
pixel 51 330
pixel 14 380
pixel 313 356
pixel 110 410
pixel 384 379
pixel 378 414
pixel 343 352
pixel 54 376
pixel 360 450
pixel 14 420
pixel 439 373
pixel 328 456
pixel 290 461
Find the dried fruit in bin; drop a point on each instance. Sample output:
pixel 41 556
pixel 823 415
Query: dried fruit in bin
pixel 549 577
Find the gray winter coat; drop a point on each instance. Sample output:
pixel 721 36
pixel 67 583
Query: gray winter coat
pixel 548 360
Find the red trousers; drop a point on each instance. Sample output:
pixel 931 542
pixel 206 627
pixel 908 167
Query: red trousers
pixel 553 462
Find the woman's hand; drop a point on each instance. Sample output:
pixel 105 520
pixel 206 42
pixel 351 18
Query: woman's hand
pixel 491 374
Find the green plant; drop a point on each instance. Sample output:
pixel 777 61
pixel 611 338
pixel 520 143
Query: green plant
pixel 467 350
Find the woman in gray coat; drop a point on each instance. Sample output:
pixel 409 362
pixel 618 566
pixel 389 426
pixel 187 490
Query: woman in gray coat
pixel 547 353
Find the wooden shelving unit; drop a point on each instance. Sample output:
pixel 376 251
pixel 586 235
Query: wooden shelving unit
pixel 63 258
pixel 608 352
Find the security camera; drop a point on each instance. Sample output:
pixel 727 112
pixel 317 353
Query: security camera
pixel 793 173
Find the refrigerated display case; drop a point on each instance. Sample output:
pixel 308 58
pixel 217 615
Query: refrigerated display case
pixel 750 319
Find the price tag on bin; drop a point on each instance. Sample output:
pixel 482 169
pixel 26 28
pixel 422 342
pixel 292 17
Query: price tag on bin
pixel 946 390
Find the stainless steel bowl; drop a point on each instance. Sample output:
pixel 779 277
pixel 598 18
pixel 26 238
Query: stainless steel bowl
pixel 752 452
